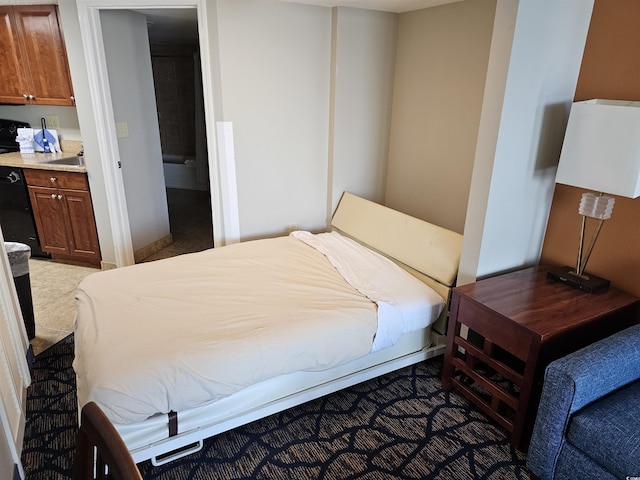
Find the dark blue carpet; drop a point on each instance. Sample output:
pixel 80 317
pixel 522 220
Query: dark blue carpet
pixel 401 425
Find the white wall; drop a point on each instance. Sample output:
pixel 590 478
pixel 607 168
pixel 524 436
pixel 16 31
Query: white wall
pixel 271 70
pixel 308 90
pixel 363 72
pixel 440 72
pixel 274 64
pixel 67 117
pixel 533 70
pixel 128 58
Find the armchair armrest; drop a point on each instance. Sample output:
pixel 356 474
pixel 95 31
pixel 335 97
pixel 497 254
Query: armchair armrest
pixel 573 382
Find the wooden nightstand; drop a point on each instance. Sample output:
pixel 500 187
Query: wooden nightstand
pixel 520 322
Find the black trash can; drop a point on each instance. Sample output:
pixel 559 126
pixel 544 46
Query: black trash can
pixel 19 254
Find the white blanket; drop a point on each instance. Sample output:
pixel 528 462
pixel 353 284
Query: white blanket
pixel 181 332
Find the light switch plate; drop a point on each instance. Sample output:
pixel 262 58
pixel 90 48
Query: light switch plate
pixel 122 129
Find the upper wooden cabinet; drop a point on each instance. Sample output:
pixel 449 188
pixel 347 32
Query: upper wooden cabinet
pixel 33 57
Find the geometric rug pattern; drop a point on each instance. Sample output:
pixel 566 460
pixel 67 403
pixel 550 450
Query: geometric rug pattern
pixel 398 426
pixel 52 418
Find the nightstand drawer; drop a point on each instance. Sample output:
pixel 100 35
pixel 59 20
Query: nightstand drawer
pixel 493 327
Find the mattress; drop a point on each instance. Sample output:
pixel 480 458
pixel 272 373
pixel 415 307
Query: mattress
pixel 188 331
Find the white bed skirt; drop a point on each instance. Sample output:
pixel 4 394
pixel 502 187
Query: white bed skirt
pixel 149 439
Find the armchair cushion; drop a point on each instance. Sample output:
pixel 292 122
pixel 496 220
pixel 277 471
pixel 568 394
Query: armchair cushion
pixel 571 465
pixel 609 431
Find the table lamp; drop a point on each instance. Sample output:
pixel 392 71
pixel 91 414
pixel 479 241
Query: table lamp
pixel 600 153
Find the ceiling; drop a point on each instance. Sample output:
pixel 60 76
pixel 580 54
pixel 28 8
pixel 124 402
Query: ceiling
pixel 397 6
pixel 179 25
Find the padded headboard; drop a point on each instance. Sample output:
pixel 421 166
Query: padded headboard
pixel 423 247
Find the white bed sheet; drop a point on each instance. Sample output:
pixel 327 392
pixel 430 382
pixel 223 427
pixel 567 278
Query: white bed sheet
pixel 405 304
pixel 148 342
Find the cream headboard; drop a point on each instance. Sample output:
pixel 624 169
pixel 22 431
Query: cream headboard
pixel 425 248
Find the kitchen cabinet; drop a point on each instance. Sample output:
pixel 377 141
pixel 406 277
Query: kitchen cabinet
pixel 33 57
pixel 63 212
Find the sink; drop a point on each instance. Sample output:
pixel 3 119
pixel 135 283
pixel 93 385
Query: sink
pixel 77 160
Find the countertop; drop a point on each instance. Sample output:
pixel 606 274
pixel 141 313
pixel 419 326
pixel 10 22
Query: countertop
pixel 38 161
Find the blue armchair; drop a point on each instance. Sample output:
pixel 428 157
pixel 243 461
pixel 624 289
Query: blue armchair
pixel 588 422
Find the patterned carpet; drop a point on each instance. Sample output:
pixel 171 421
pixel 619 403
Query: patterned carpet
pixel 401 425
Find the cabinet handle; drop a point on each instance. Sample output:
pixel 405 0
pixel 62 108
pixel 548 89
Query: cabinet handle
pixel 31 97
pixel 59 197
pixel 53 195
pixel 25 95
pixel 73 99
pixel 53 179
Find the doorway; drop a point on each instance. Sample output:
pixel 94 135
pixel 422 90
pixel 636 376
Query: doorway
pixel 177 77
pixel 222 191
pixel 154 77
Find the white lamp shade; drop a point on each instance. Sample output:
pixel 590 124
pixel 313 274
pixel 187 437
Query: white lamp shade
pixel 601 149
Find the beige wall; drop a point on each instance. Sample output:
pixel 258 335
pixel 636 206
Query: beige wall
pixel 274 65
pixel 441 65
pixel 364 58
pixel 609 70
pixel 308 91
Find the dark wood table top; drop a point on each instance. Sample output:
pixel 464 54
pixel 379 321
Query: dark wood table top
pixel 543 306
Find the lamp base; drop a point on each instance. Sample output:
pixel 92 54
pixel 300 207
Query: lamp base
pixel 587 283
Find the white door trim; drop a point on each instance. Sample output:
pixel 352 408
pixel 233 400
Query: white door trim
pixel 93 45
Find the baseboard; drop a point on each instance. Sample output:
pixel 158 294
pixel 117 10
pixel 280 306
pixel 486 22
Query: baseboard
pixel 152 248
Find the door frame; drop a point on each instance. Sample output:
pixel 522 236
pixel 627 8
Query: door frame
pixel 93 46
pixel 14 369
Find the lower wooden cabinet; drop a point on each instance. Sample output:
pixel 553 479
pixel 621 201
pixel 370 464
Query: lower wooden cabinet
pixel 63 212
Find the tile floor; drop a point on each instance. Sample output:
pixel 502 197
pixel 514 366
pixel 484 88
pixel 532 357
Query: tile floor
pixel 52 290
pixel 53 284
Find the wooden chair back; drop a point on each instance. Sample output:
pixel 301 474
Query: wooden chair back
pixel 100 451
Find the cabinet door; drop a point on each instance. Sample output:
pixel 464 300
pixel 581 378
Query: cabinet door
pixel 49 213
pixel 82 233
pixel 45 54
pixel 13 85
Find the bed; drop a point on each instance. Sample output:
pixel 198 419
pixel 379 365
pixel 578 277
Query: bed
pixel 182 349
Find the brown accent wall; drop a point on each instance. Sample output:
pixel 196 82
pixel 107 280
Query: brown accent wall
pixel 610 70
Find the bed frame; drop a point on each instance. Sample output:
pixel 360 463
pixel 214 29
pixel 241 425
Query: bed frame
pixel 429 252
